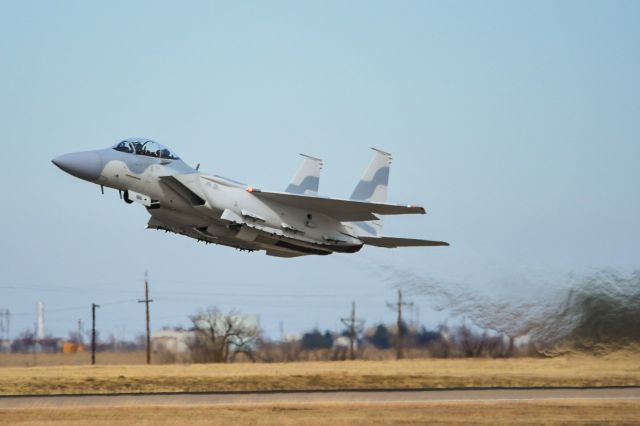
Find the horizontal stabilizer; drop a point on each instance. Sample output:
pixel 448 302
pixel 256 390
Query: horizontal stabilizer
pixel 392 242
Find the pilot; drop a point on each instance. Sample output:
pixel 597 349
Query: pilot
pixel 137 147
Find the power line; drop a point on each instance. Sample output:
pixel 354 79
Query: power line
pixel 74 308
pixel 119 302
pixel 179 292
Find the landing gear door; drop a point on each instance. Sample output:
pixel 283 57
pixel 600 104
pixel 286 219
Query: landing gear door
pixel 145 200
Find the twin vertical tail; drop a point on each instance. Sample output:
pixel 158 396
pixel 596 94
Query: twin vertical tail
pixel 373 188
pixel 307 180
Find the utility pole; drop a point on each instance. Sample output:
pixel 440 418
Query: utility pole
pixel 399 338
pixel 93 333
pixel 146 301
pixel 79 340
pixel 5 320
pixel 353 324
pixel 8 325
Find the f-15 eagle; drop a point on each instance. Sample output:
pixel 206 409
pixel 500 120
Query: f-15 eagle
pixel 218 210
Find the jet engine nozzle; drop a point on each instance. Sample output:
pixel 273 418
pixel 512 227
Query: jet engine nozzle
pixel 85 165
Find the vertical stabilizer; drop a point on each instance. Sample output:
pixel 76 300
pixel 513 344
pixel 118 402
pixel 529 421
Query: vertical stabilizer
pixel 374 182
pixel 373 187
pixel 307 180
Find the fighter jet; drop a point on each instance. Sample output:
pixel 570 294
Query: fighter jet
pixel 218 210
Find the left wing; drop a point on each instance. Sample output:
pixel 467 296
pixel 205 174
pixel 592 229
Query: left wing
pixel 341 210
pixel 182 190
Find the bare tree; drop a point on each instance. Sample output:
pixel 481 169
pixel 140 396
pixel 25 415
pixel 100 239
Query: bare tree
pixel 470 344
pixel 220 337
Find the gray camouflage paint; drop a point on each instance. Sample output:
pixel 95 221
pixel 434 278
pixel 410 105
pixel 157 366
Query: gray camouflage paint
pixel 307 179
pixel 309 183
pixel 366 188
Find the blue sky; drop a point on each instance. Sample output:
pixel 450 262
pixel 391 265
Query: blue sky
pixel 517 124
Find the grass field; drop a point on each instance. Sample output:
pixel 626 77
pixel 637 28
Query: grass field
pixel 556 412
pixel 617 369
pixel 82 358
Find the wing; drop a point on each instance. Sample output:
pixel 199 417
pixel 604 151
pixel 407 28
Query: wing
pixel 392 242
pixel 182 190
pixel 341 210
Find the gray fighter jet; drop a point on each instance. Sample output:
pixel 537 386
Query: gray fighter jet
pixel 218 210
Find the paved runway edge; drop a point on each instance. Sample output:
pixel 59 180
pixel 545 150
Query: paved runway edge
pixel 503 395
pixel 321 391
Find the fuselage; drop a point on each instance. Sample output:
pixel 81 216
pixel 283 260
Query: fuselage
pixel 207 207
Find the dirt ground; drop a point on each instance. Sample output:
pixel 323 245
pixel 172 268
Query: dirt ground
pixel 555 412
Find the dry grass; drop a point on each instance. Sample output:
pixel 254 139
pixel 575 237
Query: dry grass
pixel 555 412
pixel 618 369
pixel 83 358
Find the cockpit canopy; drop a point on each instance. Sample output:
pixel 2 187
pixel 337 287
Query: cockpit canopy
pixel 145 147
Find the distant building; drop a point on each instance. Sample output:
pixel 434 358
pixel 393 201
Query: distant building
pixel 292 337
pixel 174 341
pixel 70 347
pixel 343 342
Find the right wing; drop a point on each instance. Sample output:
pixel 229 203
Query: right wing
pixel 341 210
pixel 393 242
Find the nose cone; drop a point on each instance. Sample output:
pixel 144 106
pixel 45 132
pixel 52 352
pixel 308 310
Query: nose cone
pixel 85 165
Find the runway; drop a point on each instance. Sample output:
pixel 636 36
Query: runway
pixel 328 397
